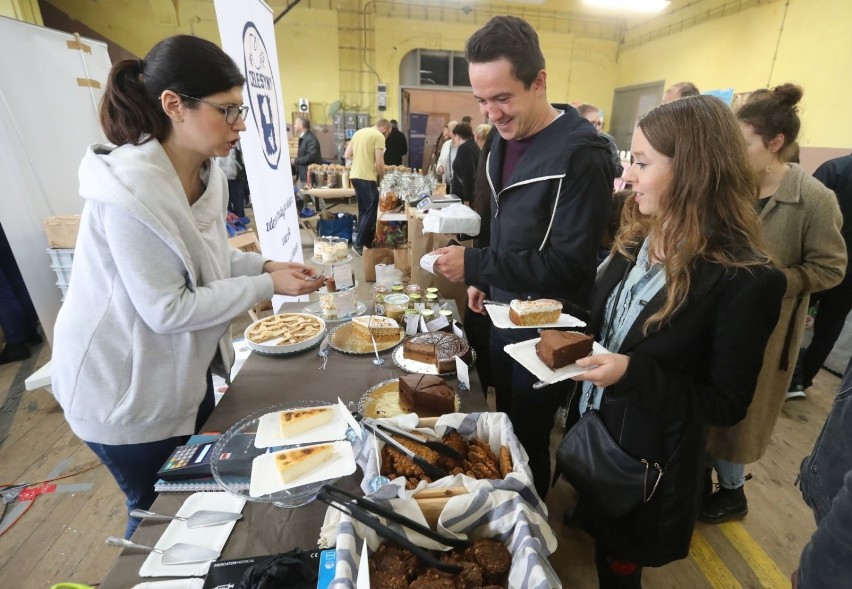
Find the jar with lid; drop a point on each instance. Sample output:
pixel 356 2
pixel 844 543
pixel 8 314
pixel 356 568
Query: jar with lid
pixel 432 302
pixel 428 315
pixel 417 303
pixel 379 291
pixel 395 306
pixel 413 288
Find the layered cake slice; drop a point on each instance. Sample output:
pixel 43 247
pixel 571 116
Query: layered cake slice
pixel 299 421
pixel 536 312
pixel 426 394
pixel 561 348
pixel 437 348
pixel 296 463
pixel 384 329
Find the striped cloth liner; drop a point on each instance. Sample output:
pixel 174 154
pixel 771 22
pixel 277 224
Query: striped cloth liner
pixel 485 513
pixel 494 428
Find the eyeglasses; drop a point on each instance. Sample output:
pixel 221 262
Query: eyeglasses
pixel 231 111
pixel 598 124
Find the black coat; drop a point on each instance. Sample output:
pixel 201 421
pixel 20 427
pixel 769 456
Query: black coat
pixel 309 153
pixel 464 170
pixel 395 147
pixel 700 369
pixel 547 224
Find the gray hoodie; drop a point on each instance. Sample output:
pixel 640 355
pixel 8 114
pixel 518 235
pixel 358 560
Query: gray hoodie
pixel 153 288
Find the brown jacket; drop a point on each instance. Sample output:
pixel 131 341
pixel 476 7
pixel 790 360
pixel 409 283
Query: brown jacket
pixel 801 230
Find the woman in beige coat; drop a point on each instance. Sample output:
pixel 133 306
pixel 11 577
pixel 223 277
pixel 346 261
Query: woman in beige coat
pixel 801 229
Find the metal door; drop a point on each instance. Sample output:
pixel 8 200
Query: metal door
pixel 628 104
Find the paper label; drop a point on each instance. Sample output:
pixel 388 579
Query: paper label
pixel 438 324
pixel 412 322
pixel 423 328
pixel 462 374
pixel 343 276
pixel 457 330
pixel 427 262
pixel 356 427
pixel 363 581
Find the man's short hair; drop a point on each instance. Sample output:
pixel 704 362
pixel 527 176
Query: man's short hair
pixel 511 38
pixel 306 124
pixel 585 109
pixel 394 122
pixel 383 123
pixel 467 119
pixel 463 130
pixel 686 89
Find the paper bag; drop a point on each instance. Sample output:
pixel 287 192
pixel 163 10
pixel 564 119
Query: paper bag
pixel 373 256
pixel 402 260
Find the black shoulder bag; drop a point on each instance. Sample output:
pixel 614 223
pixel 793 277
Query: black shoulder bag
pixel 603 473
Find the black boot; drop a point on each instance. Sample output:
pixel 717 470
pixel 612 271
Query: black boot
pixel 724 505
pixel 708 484
pixel 14 353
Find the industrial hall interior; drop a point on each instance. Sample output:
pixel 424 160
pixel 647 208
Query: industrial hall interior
pixel 519 294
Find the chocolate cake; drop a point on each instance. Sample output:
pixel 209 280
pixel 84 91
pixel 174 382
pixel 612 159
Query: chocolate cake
pixel 437 348
pixel 427 395
pixel 560 348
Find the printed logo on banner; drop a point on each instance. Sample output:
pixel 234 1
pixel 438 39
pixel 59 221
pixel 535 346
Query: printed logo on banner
pixel 263 97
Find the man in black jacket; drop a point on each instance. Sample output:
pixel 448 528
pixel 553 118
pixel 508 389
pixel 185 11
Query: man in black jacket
pixel 464 164
pixel 309 149
pixel 551 186
pixel 395 145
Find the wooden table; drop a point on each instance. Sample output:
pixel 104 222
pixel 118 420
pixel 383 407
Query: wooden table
pixel 264 381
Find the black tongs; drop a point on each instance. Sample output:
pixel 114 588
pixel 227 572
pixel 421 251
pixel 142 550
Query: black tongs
pixel 429 469
pixel 361 508
pixel 436 445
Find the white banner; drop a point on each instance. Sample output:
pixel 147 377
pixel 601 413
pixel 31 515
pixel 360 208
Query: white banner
pixel 248 36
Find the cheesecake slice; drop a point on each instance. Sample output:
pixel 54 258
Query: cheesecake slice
pixel 294 464
pixel 298 421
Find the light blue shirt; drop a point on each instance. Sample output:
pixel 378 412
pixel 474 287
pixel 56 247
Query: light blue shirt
pixel 643 282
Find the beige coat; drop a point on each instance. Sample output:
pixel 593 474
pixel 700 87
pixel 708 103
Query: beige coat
pixel 801 230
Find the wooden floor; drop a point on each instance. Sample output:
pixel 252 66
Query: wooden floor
pixel 60 538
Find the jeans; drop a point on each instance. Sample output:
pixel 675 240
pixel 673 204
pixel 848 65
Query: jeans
pixel 731 475
pixel 531 411
pixel 134 466
pixel 18 317
pixel 367 194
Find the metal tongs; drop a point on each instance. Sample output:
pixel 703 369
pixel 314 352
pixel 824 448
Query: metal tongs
pixel 436 445
pixel 429 469
pixel 362 509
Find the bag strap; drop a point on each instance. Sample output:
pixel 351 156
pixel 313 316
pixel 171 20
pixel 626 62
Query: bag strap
pixel 661 470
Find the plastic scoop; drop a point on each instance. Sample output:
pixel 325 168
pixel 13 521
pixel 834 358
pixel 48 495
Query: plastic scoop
pixel 199 519
pixel 175 554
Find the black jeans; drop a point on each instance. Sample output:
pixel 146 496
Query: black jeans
pixel 530 410
pixel 834 305
pixel 134 466
pixel 367 194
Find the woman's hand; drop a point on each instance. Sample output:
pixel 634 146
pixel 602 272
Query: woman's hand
pixel 294 281
pixel 607 369
pixel 275 266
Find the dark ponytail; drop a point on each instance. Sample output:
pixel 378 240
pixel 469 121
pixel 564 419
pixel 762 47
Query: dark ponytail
pixel 773 112
pixel 130 111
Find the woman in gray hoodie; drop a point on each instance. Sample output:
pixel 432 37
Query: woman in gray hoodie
pixel 155 283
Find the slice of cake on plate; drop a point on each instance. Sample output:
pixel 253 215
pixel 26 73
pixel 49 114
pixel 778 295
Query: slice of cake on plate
pixel 296 463
pixel 298 421
pixel 437 348
pixel 426 394
pixel 561 348
pixel 384 329
pixel 537 312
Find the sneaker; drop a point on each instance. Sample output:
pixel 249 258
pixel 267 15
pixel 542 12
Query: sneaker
pixel 796 392
pixel 358 249
pixel 724 505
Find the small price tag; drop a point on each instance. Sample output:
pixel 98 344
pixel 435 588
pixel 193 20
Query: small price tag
pixel 438 324
pixel 343 276
pixel 457 330
pixel 423 328
pixel 463 374
pixel 412 322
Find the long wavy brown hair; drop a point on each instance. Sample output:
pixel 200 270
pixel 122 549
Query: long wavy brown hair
pixel 709 211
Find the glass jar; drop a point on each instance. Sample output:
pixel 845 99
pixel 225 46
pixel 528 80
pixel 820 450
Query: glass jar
pixel 395 306
pixel 379 292
pixel 417 303
pixel 432 302
pixel 428 315
pixel 432 290
pixel 413 288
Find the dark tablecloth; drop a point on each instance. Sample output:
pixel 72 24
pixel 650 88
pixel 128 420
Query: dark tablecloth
pixel 265 381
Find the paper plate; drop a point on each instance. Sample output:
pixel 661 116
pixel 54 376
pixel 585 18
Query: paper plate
pixel 526 356
pixel 500 317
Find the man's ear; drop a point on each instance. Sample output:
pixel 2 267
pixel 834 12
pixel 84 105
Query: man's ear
pixel 172 105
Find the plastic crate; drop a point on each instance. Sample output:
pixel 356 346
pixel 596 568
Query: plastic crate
pixel 62 258
pixel 63 274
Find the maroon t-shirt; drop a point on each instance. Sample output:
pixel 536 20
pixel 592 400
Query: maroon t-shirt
pixel 515 150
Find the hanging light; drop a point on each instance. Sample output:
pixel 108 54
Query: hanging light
pixel 630 5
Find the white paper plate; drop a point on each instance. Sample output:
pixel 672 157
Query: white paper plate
pixel 524 353
pixel 265 348
pixel 212 537
pixel 269 430
pixel 266 480
pixel 500 317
